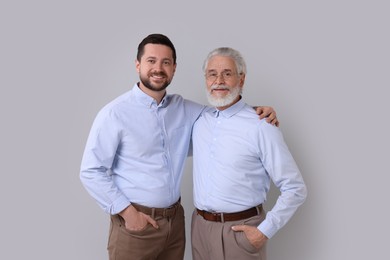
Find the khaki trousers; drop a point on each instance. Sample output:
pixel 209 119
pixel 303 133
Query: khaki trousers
pixel 165 243
pixel 217 241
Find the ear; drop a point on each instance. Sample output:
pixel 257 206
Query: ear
pixel 137 65
pixel 174 68
pixel 242 80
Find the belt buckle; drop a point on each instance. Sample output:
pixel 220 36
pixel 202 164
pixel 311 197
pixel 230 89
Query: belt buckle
pixel 222 218
pixel 219 217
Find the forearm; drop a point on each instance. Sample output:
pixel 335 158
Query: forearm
pixel 103 189
pixel 284 208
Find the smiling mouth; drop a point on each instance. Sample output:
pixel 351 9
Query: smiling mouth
pixel 219 89
pixel 158 79
pixel 158 76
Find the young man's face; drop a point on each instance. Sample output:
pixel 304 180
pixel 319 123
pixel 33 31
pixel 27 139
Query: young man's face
pixel 224 84
pixel 156 67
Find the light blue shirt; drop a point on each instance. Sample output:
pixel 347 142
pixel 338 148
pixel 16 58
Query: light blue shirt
pixel 236 155
pixel 136 150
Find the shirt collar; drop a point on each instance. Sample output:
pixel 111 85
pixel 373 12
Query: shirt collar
pixel 147 100
pixel 230 111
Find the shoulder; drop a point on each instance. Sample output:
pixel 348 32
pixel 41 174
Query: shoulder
pixel 115 106
pixel 178 102
pixel 176 98
pixel 248 113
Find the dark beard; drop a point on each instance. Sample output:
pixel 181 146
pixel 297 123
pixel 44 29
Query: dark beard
pixel 146 82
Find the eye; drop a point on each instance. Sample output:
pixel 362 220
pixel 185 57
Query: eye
pixel 227 74
pixel 211 75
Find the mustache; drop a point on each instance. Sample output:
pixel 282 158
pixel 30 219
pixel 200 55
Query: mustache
pixel 159 73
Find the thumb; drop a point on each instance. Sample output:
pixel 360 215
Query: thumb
pixel 152 222
pixel 239 228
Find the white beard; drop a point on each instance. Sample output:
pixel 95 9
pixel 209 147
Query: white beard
pixel 226 100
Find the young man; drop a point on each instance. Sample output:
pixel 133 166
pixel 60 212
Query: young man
pixel 235 158
pixel 134 158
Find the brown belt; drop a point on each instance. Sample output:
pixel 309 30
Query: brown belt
pixel 222 217
pixel 158 212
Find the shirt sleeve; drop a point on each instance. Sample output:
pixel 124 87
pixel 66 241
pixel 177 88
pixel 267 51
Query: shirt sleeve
pixel 282 169
pixel 97 161
pixel 193 110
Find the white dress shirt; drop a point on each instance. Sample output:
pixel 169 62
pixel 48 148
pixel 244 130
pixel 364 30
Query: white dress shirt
pixel 236 155
pixel 136 150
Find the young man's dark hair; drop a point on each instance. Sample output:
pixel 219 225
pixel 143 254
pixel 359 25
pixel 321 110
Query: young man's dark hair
pixel 156 39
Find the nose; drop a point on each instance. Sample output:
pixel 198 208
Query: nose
pixel 220 79
pixel 158 66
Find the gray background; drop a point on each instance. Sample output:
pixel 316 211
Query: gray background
pixel 323 65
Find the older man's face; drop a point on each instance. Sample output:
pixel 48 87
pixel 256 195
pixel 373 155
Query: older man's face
pixel 223 82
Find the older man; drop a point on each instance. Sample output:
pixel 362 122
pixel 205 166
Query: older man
pixel 235 158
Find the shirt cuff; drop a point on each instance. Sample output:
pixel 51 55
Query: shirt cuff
pixel 267 229
pixel 118 205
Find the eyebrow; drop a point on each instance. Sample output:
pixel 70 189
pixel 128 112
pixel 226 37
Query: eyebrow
pixel 155 58
pixel 214 70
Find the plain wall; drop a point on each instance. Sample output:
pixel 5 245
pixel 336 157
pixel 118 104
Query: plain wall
pixel 323 65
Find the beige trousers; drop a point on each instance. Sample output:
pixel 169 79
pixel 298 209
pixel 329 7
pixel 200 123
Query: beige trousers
pixel 217 241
